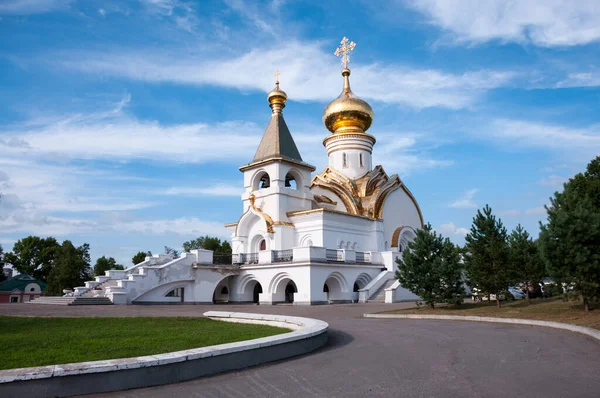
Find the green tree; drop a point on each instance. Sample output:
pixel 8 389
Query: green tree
pixel 487 255
pixel 171 251
pixel 71 270
pixel 140 256
pixel 570 240
pixel 524 258
pixel 104 264
pixel 431 269
pixel 208 243
pixel 34 256
pixel 2 277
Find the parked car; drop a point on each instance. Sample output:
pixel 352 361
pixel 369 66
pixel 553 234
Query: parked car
pixel 517 294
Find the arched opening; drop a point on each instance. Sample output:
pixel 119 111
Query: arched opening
pixel 341 245
pixel 221 293
pixel 360 159
pixel 290 181
pixel 345 159
pixel 290 289
pixel 255 292
pixel 361 281
pixel 407 236
pixel 261 181
pixel 262 245
pixel 177 292
pixel 309 243
pixel 336 288
pixel 355 287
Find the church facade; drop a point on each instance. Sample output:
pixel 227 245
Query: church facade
pixel 302 237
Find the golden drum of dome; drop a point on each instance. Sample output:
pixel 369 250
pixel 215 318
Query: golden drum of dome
pixel 347 112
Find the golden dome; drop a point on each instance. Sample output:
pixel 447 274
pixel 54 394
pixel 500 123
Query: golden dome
pixel 347 112
pixel 277 98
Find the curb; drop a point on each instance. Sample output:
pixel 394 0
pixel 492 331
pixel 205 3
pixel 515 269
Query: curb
pixel 125 373
pixel 515 321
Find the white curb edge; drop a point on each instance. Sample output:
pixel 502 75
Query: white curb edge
pixel 303 328
pixel 530 322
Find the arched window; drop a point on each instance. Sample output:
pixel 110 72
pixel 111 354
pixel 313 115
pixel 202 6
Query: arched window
pixel 265 181
pixel 262 245
pixel 345 159
pixel 355 287
pixel 290 181
pixel 360 159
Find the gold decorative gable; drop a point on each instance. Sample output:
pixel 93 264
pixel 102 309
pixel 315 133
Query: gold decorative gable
pixel 363 196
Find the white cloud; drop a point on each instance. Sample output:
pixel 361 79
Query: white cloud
pixel 536 211
pixel 308 74
pixel 181 12
pixel 553 181
pixel 450 230
pixel 466 201
pixel 548 23
pixel 565 139
pixel 580 79
pixel 25 7
pixel 215 190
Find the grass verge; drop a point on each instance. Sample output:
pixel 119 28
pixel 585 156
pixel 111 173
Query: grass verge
pixel 49 341
pixel 553 309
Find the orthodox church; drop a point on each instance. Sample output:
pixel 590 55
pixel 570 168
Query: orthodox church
pixel 301 238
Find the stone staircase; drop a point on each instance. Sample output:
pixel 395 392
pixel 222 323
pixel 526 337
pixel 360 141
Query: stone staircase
pixel 379 295
pixel 100 289
pixel 71 300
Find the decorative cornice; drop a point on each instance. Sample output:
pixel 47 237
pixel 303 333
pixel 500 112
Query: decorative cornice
pixel 231 224
pixel 324 199
pixel 277 159
pixel 397 232
pixel 355 134
pixel 322 210
pixel 284 224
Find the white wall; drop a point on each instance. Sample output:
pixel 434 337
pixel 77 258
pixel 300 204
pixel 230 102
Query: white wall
pixel 399 210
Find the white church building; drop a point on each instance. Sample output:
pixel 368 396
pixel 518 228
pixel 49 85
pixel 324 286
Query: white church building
pixel 302 237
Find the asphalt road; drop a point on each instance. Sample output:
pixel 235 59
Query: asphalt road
pixel 392 358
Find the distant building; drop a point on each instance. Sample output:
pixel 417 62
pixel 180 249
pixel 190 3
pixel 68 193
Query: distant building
pixel 21 289
pixel 8 272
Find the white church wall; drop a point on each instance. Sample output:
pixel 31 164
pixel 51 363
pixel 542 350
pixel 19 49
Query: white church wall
pixel 348 162
pixel 399 210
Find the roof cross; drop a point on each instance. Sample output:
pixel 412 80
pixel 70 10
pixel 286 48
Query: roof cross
pixel 277 73
pixel 343 50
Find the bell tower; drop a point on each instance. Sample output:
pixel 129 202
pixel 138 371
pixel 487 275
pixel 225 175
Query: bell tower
pixel 276 182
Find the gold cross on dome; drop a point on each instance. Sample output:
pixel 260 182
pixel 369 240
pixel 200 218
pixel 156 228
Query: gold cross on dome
pixel 343 50
pixel 277 73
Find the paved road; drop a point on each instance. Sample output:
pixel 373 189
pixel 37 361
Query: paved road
pixel 372 357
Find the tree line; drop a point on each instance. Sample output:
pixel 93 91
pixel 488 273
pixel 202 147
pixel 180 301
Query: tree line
pixel 567 250
pixel 65 266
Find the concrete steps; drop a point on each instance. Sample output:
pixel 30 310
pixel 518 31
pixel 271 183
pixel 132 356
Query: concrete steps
pixel 102 292
pixel 72 300
pixel 379 295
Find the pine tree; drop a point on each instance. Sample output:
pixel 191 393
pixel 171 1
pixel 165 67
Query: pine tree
pixel 570 240
pixel 431 269
pixel 524 258
pixel 487 253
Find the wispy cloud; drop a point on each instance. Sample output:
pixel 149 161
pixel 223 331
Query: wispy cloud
pixel 215 190
pixel 466 201
pixel 531 134
pixel 536 211
pixel 25 7
pixel 550 23
pixel 553 181
pixel 309 74
pixel 580 79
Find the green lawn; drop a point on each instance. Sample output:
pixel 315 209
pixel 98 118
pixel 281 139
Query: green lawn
pixel 46 341
pixel 554 309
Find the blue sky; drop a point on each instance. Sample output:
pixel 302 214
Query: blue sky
pixel 123 124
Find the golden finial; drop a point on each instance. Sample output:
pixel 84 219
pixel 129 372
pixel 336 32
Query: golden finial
pixel 347 113
pixel 345 47
pixel 277 97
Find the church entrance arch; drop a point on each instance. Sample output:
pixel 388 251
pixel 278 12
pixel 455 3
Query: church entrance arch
pixel 290 289
pixel 256 291
pixel 336 287
pixel 221 292
pixel 282 288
